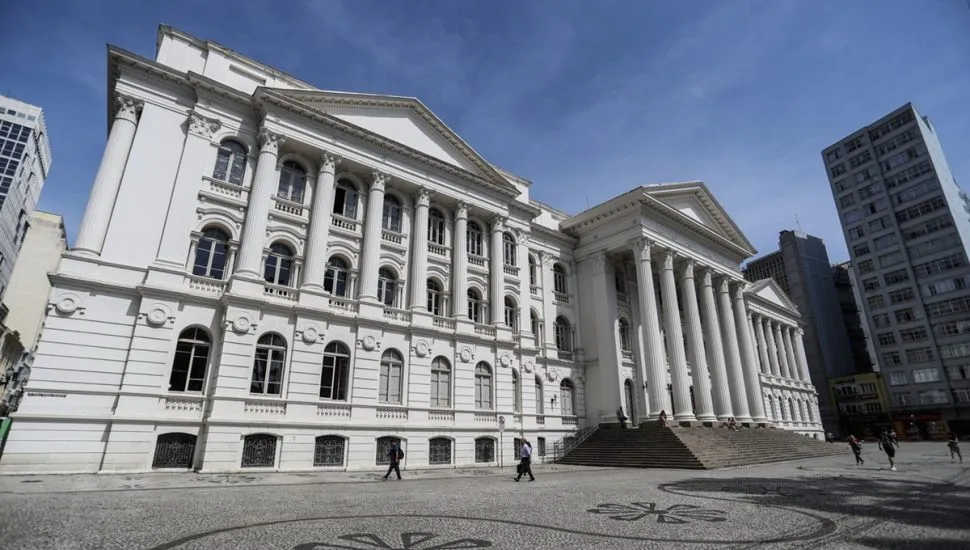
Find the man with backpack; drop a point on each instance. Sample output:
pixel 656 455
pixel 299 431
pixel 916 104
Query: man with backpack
pixel 395 455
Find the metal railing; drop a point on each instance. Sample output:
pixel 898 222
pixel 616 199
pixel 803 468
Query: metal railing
pixel 562 447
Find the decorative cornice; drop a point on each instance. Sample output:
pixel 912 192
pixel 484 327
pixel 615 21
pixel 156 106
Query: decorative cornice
pixel 203 127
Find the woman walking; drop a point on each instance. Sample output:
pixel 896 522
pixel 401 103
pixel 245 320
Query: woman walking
pixel 856 446
pixel 886 444
pixel 954 444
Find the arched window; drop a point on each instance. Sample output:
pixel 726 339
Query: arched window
pixel 811 413
pixel 392 214
pixel 392 368
pixel 345 199
pixel 540 402
pixel 434 297
pixel 439 450
pixel 535 324
pixel 483 386
pixel 516 392
pixel 268 365
pixel 511 314
pixel 474 305
pixel 626 343
pixel 474 234
pixel 484 449
pixel 566 398
pixel 559 278
pixel 335 280
pixel 384 448
pixel 174 450
pixel 440 383
pixel 771 408
pixel 211 254
pixel 533 271
pixel 328 450
pixel 230 163
pixel 292 182
pixel 386 287
pixel 259 451
pixel 564 334
pixel 278 269
pixel 336 372
pixel 791 409
pixel 436 227
pixel 508 249
pixel 191 360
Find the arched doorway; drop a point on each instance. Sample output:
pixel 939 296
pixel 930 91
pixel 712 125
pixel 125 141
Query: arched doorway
pixel 630 402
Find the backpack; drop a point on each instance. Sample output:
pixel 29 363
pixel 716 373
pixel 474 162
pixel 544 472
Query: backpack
pixel 400 453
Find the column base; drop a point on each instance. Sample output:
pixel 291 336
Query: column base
pixel 421 318
pixel 246 285
pixel 743 419
pixel 708 418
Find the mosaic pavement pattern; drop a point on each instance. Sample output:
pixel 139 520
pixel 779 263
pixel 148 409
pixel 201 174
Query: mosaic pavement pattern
pixel 827 503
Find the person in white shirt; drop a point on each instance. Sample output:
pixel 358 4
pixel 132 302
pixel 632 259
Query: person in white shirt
pixel 525 464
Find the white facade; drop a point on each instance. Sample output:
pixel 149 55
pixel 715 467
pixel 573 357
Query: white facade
pixel 273 276
pixel 30 286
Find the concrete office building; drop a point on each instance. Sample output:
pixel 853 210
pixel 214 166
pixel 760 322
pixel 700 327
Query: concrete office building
pixel 25 161
pixel 802 269
pixel 907 227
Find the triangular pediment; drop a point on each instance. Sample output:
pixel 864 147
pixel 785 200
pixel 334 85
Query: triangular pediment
pixel 405 121
pixel 694 201
pixel 768 290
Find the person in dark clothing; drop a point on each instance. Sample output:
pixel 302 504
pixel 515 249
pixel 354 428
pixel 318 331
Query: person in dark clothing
pixel 621 417
pixel 663 419
pixel 886 444
pixel 525 465
pixel 394 455
pixel 954 445
pixel 856 449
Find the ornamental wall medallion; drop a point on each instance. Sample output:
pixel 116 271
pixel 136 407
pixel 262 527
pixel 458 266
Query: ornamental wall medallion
pixel 157 315
pixel 553 375
pixel 466 354
pixel 369 343
pixel 311 334
pixel 528 366
pixel 242 324
pixel 67 304
pixel 421 349
pixel 505 360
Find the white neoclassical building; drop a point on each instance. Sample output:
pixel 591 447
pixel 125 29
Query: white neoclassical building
pixel 268 275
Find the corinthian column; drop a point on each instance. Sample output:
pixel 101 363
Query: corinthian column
pixel 799 342
pixel 695 344
pixel 759 329
pixel 679 378
pixel 97 214
pixel 656 362
pixel 790 353
pixel 773 356
pixel 749 365
pixel 729 332
pixel 264 182
pixel 316 251
pixel 782 354
pixel 715 350
pixel 497 266
pixel 419 252
pixel 459 263
pixel 371 255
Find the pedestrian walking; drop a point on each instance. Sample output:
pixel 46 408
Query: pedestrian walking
pixel 395 455
pixel 954 444
pixel 886 445
pixel 621 417
pixel 525 462
pixel 856 446
pixel 663 419
pixel 892 438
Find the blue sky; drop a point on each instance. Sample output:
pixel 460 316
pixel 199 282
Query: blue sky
pixel 586 99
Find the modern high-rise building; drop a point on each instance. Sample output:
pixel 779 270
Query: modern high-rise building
pixel 25 161
pixel 801 268
pixel 850 301
pixel 907 227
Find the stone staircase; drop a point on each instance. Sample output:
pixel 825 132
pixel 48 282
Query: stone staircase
pixel 651 446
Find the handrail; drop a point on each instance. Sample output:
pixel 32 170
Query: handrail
pixel 562 447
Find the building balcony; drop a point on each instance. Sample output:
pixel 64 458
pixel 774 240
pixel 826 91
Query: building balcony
pixel 443 323
pixel 345 225
pixel 206 285
pixel 438 250
pixel 534 290
pixel 224 192
pixel 280 292
pixel 290 208
pixel 560 297
pixel 340 304
pixel 487 331
pixel 397 315
pixel 392 237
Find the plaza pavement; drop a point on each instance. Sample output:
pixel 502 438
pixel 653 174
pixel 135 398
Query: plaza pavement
pixel 819 503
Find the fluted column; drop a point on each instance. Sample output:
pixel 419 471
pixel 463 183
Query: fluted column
pixel 316 250
pixel 656 362
pixel 768 328
pixel 419 251
pixel 459 263
pixel 790 353
pixel 497 266
pixel 97 214
pixel 754 343
pixel 782 356
pixel 695 344
pixel 679 379
pixel 260 197
pixel 759 329
pixel 798 340
pixel 525 295
pixel 749 364
pixel 729 333
pixel 371 253
pixel 715 349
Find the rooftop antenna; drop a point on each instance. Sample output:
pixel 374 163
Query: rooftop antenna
pixel 798 224
pixel 587 198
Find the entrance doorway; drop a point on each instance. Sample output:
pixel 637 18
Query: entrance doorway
pixel 631 402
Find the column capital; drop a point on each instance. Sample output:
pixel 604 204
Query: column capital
pixel 641 248
pixel 461 211
pixel 498 223
pixel 128 108
pixel 669 257
pixel 379 180
pixel 598 261
pixel 724 285
pixel 749 314
pixel 522 237
pixel 687 268
pixel 329 162
pixel 203 127
pixel 269 142
pixel 422 197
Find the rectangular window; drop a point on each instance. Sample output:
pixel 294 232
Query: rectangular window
pixel 896 277
pixel 865 266
pixel 891 259
pixel 860 159
pixel 876 302
pixel 901 398
pixel 880 320
pixel 942 265
pixel 958 372
pixel 961 396
pixel 838 170
pixel 852 216
pixel 948 307
pixel 879 224
pixel 921 209
pixel 921 355
pixel 842 185
pixel 935 246
pixel 946 285
pixel 856 232
pixel 876 206
pixel 847 201
pixel 860 249
pixel 901 296
pixel 834 155
pixel 913 335
pixel 886 339
pixel 898 379
pixel 932 397
pixel 854 144
pixel 870 284
pixel 932 226
pixel 953 351
pixel 892 358
pixel 913 192
pixel 870 190
pixel 907 315
pixel 909 174
pixel 953 328
pixel 904 157
pixel 885 241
